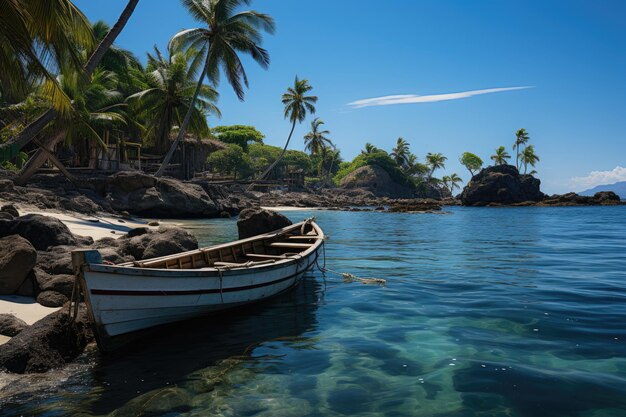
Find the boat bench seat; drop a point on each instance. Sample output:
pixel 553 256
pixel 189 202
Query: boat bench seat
pixel 290 245
pixel 260 255
pixel 302 237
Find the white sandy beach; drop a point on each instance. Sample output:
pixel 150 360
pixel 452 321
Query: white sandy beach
pixel 98 227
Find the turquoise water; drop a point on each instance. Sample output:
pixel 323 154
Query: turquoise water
pixel 487 312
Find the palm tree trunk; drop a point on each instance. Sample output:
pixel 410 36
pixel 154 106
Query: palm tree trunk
pixel 30 131
pixel 280 157
pixel 37 160
pixel 181 131
pixel 108 40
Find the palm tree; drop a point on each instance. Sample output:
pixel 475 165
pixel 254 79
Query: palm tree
pixel 171 85
pixel 529 157
pixel 521 138
pixel 315 141
pixel 501 155
pixel 297 103
pixel 401 152
pixel 414 167
pixel 225 33
pixel 35 37
pixel 369 149
pixel 33 128
pixel 435 161
pixel 451 182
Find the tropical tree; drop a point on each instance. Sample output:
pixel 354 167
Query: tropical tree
pixel 238 135
pixel 452 182
pixel 472 162
pixel 223 35
pixel 435 161
pixel 297 103
pixel 315 140
pixel 33 128
pixel 501 156
pixel 521 138
pixel 171 90
pixel 528 157
pixel 369 149
pixel 400 153
pixel 232 159
pixel 415 168
pixel 37 37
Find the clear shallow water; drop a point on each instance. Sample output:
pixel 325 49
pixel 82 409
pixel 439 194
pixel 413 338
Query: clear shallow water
pixel 487 312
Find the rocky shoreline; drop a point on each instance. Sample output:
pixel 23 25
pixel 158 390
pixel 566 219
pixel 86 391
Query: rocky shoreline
pixel 35 249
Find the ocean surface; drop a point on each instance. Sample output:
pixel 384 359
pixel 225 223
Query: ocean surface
pixel 487 312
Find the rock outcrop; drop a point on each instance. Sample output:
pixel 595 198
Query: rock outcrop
pixel 375 179
pixel 146 195
pixel 602 198
pixel 152 244
pixel 11 325
pixel 49 343
pixel 41 231
pixel 501 184
pixel 17 258
pixel 257 221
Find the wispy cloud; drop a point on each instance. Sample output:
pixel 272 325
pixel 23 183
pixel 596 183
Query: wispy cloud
pixel 431 98
pixel 599 178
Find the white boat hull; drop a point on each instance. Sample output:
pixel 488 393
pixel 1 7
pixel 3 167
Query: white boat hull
pixel 124 299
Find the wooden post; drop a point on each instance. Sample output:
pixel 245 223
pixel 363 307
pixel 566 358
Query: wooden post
pixel 83 257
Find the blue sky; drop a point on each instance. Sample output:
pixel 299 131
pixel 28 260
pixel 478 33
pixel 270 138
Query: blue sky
pixel 572 53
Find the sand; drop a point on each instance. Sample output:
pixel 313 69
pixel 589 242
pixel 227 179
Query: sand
pixel 102 225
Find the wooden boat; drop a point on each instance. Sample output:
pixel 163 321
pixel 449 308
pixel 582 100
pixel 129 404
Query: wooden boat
pixel 134 296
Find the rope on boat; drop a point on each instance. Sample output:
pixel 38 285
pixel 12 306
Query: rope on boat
pixel 347 277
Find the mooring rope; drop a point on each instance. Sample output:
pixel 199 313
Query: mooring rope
pixel 347 277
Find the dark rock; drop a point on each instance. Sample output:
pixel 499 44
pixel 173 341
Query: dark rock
pixel 256 221
pixel 602 198
pixel 129 181
pixel 153 223
pixel 501 184
pixel 29 287
pixel 11 209
pixel 225 215
pixel 6 216
pixel 375 179
pixel 138 231
pixel 6 186
pixel 52 299
pixel 606 197
pixel 41 231
pixel 49 343
pixel 164 241
pixel 409 206
pixel 62 284
pixel 17 258
pixel 80 204
pixel 10 325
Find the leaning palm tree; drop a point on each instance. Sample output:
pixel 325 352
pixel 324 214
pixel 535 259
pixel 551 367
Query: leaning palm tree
pixel 529 157
pixel 453 182
pixel 33 128
pixel 297 103
pixel 171 84
pixel 501 155
pixel 401 152
pixel 521 138
pixel 435 161
pixel 315 140
pixel 224 34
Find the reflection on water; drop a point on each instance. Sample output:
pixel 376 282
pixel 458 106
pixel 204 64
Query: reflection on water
pixel 487 312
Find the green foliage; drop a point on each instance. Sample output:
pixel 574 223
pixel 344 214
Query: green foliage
pixel 238 134
pixel 435 161
pixel 378 157
pixel 501 156
pixel 232 160
pixel 471 161
pixel 264 155
pixel 528 157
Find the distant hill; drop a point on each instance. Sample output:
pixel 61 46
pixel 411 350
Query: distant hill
pixel 618 188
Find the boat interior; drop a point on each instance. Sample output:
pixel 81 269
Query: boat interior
pixel 285 243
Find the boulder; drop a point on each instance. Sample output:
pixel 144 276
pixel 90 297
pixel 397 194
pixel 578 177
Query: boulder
pixel 41 231
pixel 11 209
pixel 6 216
pixel 49 343
pixel 10 325
pixel 62 284
pixel 411 206
pixel 146 195
pixel 375 179
pixel 52 299
pixel 152 244
pixel 501 184
pixel 29 287
pixel 256 221
pixel 17 258
pixel 602 198
pixel 606 197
